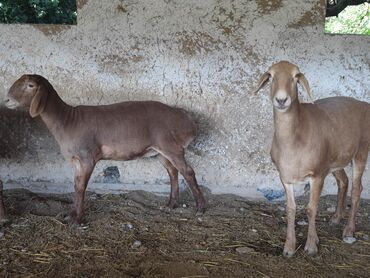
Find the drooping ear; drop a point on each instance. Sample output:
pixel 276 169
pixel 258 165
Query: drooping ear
pixel 262 81
pixel 301 79
pixel 38 102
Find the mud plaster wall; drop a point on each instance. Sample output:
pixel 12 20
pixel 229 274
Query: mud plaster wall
pixel 205 56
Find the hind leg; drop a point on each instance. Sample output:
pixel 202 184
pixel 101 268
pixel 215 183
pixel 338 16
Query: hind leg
pixel 176 157
pixel 342 182
pixel 312 238
pixel 359 164
pixel 173 173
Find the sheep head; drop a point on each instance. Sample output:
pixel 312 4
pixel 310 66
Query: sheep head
pixel 29 92
pixel 284 78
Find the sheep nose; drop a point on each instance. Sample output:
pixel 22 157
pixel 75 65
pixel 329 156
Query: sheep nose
pixel 281 101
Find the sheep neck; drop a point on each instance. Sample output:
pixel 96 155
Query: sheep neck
pixel 56 114
pixel 287 124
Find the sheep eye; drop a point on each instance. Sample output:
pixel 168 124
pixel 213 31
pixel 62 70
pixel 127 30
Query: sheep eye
pixel 30 86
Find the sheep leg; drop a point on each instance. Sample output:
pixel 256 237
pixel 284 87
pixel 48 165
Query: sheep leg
pixel 359 164
pixel 178 161
pixel 342 182
pixel 312 238
pixel 188 173
pixel 2 209
pixel 173 174
pixel 82 175
pixel 290 242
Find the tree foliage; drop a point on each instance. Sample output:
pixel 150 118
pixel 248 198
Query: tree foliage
pixel 352 20
pixel 38 11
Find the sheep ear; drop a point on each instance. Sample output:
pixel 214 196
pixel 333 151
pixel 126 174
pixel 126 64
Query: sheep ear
pixel 303 81
pixel 262 82
pixel 38 102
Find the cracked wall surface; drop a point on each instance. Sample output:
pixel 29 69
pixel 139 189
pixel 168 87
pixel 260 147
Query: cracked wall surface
pixel 204 56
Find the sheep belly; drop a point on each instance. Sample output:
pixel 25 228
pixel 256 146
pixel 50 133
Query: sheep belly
pixel 114 153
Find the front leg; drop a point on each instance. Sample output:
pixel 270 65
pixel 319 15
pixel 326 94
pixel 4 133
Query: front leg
pixel 316 185
pixel 83 170
pixel 290 242
pixel 359 164
pixel 342 182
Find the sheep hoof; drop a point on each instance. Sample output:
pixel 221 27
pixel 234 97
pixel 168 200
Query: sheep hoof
pixel 335 219
pixel 288 253
pixel 200 211
pixel 73 219
pixel 172 205
pixel 311 250
pixel 349 239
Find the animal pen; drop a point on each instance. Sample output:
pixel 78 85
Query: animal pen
pixel 184 138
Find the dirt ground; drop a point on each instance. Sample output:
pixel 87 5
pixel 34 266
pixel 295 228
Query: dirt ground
pixel 135 235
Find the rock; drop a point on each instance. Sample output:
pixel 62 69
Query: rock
pixel 82 227
pixel 271 194
pixel 301 207
pixel 129 225
pixel 244 250
pixel 3 221
pixel 1 233
pixel 254 230
pixel 331 209
pixel 184 205
pixel 302 223
pixel 281 208
pixel 93 197
pixel 199 219
pixel 365 237
pixel 242 209
pixel 349 239
pixel 300 234
pixel 136 244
